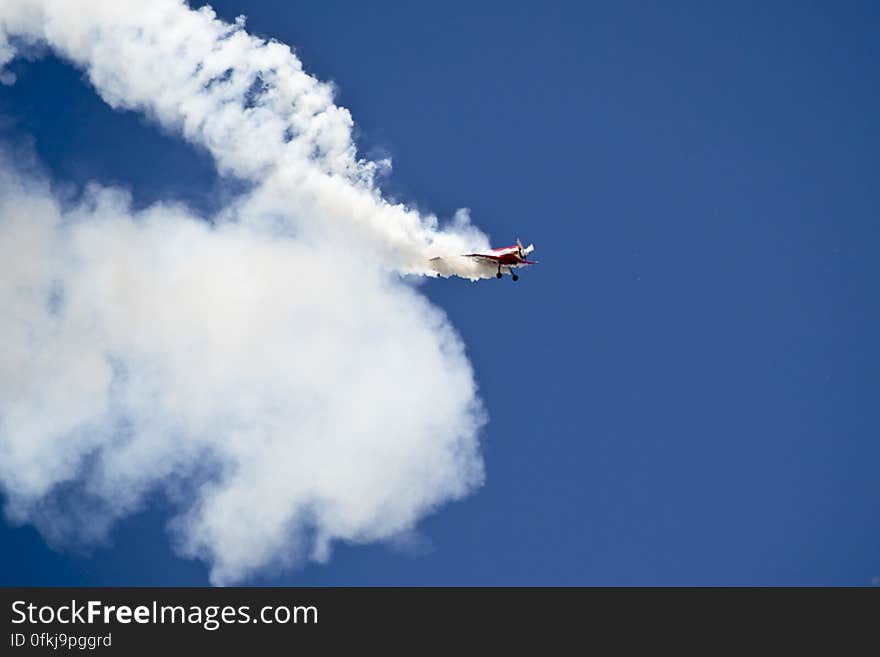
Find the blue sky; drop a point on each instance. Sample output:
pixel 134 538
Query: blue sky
pixel 684 391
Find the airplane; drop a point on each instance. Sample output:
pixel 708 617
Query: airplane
pixel 506 258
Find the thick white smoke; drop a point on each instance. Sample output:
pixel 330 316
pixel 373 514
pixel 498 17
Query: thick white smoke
pixel 268 371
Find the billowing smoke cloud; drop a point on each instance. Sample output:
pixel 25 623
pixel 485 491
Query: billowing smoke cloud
pixel 268 370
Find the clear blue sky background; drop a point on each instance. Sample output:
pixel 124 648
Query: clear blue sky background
pixel 685 390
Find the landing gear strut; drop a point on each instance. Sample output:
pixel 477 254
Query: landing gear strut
pixel 510 269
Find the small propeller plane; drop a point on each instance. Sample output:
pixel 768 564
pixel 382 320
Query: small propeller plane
pixel 505 259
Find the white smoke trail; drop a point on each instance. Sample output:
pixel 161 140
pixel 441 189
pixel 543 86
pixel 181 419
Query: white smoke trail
pixel 265 371
pixel 248 102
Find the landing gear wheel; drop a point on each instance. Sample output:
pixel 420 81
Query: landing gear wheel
pixel 515 278
pixel 498 275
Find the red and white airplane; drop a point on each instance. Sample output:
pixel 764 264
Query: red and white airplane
pixel 505 259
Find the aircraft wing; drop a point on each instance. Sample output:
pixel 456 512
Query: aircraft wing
pixel 488 257
pixel 485 257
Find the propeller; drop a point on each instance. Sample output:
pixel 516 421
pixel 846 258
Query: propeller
pixel 523 252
